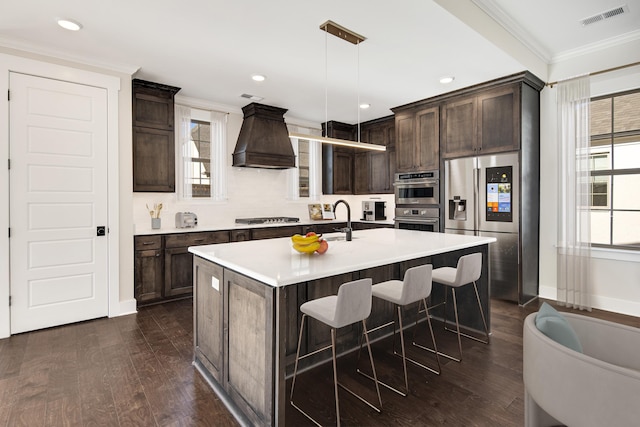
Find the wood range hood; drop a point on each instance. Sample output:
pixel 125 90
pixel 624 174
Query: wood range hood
pixel 264 139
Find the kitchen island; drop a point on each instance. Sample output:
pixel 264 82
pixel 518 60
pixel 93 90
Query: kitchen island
pixel 247 297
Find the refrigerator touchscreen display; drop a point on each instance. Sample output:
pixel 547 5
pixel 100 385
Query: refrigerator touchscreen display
pixel 499 194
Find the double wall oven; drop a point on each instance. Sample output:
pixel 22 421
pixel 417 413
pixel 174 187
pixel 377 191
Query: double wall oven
pixel 417 197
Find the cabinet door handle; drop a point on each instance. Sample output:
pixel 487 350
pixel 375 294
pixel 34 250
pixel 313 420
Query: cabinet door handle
pixel 157 254
pixel 198 240
pixel 148 243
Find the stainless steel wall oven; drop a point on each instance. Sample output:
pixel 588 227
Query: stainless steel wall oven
pixel 417 200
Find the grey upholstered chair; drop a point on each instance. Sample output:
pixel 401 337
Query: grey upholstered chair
pixel 468 271
pixel 415 287
pixel 351 305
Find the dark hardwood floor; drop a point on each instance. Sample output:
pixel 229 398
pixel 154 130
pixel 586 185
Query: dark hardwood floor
pixel 136 371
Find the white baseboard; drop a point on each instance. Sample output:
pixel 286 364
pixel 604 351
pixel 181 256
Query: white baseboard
pixel 615 305
pixel 631 308
pixel 125 307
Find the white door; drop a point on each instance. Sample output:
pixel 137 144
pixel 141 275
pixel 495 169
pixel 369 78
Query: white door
pixel 58 198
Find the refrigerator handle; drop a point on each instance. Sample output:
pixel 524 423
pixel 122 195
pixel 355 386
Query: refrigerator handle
pixel 476 200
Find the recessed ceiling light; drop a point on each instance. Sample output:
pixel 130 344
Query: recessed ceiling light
pixel 365 106
pixel 70 25
pixel 447 79
pixel 258 78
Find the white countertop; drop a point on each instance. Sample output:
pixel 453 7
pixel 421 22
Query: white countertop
pixel 169 228
pixel 275 263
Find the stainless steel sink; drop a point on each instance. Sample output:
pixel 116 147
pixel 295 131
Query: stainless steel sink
pixel 337 238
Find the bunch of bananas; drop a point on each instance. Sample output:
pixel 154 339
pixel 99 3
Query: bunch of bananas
pixel 308 244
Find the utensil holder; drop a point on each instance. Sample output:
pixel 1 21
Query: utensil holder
pixel 155 223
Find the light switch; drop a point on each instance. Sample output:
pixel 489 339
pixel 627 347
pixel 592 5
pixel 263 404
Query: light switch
pixel 215 283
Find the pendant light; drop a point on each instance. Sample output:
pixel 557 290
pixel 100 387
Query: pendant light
pixel 331 27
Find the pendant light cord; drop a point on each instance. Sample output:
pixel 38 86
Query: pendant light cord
pixel 358 89
pixel 326 82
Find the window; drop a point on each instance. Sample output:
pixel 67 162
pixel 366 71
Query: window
pixel 615 170
pixel 201 142
pixel 197 157
pixel 305 180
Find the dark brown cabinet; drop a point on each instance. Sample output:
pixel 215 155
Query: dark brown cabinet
pixel 153 137
pixel 164 265
pixel 338 161
pixel 274 232
pixel 148 268
pixel 240 235
pixel 417 139
pixel 499 120
pixel 374 170
pixel 483 123
pixel 359 171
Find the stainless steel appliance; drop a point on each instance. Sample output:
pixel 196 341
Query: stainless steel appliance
pixel 186 220
pixel 417 188
pixel 267 220
pixel 418 218
pixel 483 198
pixel 373 210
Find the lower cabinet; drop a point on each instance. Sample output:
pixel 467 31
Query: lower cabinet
pixel 164 265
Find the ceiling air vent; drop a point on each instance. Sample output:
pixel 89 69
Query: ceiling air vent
pixel 252 97
pixel 605 15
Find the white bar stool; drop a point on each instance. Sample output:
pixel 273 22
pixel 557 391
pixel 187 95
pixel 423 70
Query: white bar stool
pixel 351 305
pixel 468 270
pixel 416 286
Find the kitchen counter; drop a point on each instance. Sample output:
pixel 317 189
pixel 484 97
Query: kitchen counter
pixel 369 248
pixel 247 297
pixel 169 228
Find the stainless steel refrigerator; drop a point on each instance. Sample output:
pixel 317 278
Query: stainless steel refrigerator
pixel 483 197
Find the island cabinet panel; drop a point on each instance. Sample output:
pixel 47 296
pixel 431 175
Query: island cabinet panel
pixel 208 316
pixel 249 346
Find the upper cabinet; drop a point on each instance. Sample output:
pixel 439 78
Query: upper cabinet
pixel 484 123
pixel 348 170
pixel 417 139
pixel 338 161
pixel 374 170
pixel 153 137
pixel 487 118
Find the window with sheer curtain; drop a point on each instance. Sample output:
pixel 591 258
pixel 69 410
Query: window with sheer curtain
pixel 201 146
pixel 615 170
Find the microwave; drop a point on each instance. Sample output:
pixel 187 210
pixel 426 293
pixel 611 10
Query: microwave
pixel 417 188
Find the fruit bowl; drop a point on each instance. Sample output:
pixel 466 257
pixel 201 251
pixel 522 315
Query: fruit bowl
pixel 310 243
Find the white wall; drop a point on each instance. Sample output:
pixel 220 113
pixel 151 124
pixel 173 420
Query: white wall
pixel 615 274
pixel 251 192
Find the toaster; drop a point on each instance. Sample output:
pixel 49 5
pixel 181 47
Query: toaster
pixel 186 220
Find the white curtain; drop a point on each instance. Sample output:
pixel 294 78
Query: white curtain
pixel 574 226
pixel 183 148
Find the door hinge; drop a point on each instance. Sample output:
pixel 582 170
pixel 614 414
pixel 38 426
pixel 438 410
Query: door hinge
pixel 8 163
pixel 9 231
pixel 9 300
pixel 8 95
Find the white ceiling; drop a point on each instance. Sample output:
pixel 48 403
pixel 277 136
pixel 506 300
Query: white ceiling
pixel 210 48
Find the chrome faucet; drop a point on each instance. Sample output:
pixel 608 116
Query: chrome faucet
pixel 348 228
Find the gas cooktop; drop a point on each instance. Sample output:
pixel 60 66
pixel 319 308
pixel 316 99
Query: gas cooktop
pixel 267 220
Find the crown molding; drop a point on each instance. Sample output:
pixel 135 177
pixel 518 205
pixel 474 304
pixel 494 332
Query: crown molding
pixel 597 46
pixel 12 43
pixel 493 10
